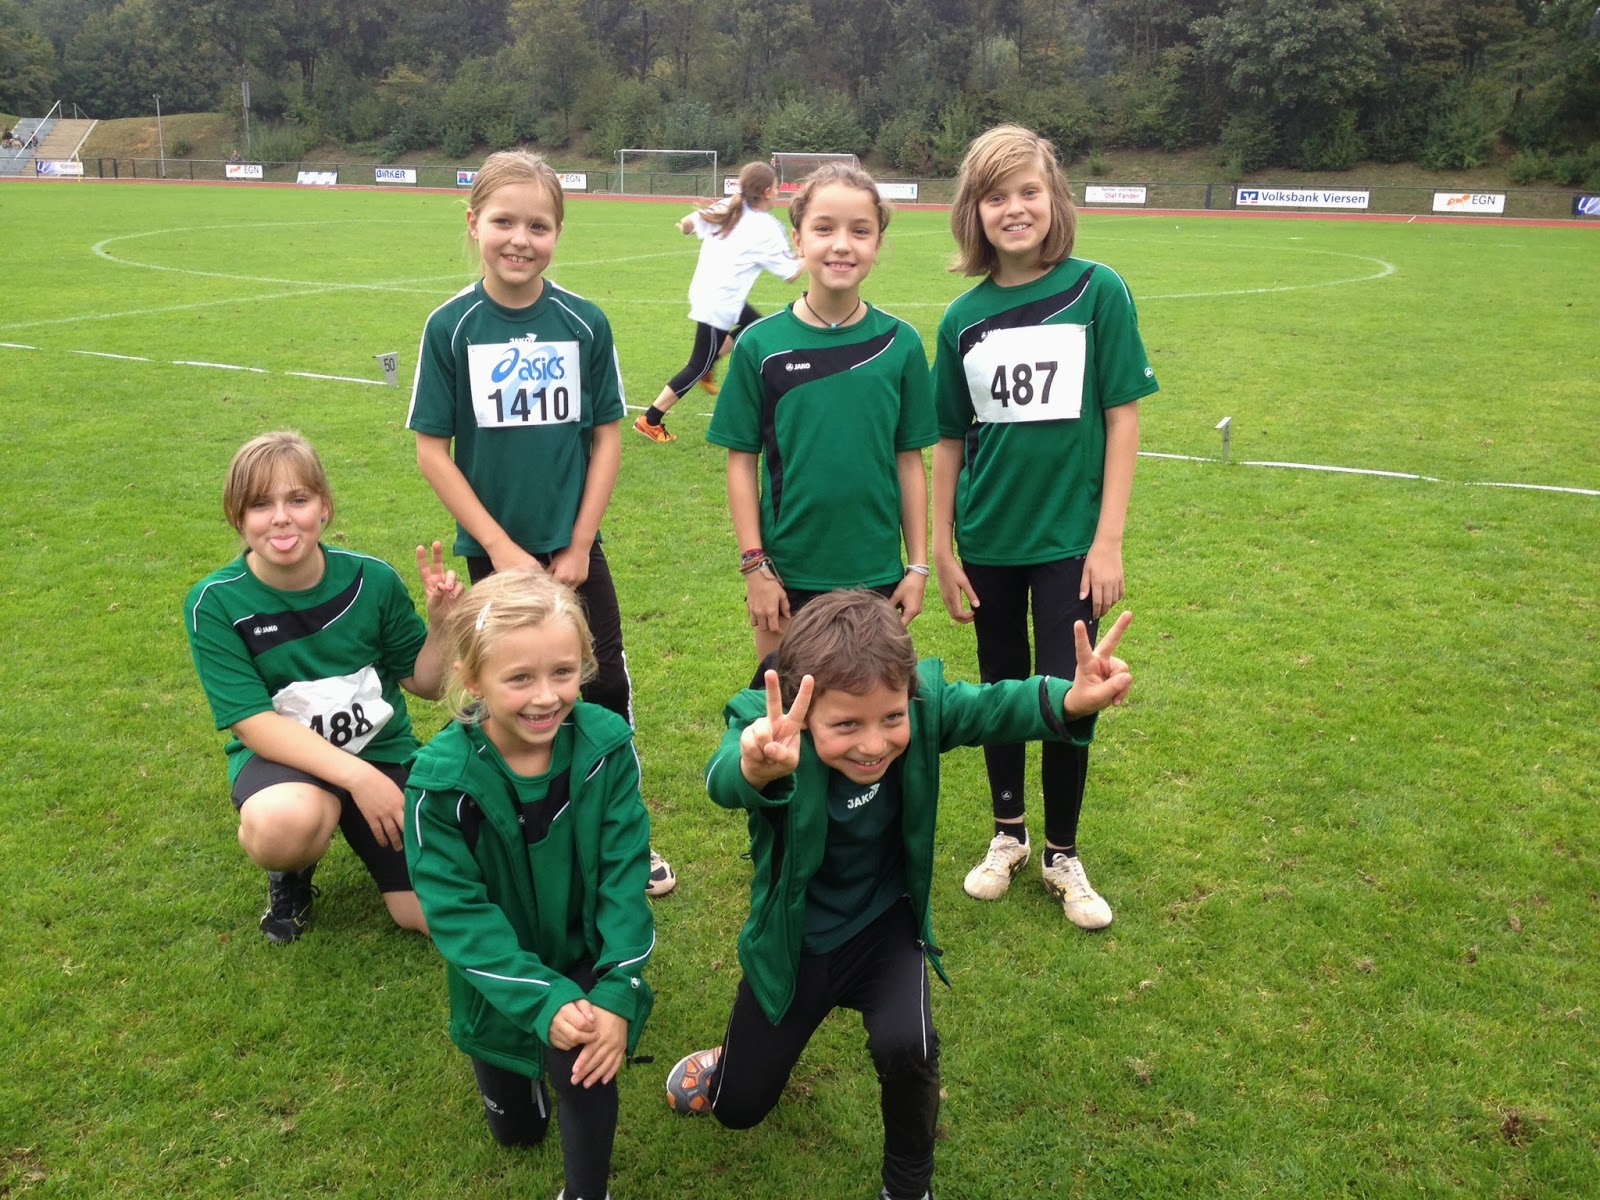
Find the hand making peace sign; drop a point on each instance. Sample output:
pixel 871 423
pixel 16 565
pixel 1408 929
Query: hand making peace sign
pixel 1101 679
pixel 769 747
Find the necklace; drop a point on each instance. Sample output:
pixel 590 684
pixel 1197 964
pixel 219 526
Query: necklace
pixel 804 299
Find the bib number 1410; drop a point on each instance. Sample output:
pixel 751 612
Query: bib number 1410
pixel 543 406
pixel 1022 383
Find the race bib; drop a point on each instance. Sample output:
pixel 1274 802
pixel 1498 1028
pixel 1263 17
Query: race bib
pixel 525 383
pixel 347 711
pixel 1029 374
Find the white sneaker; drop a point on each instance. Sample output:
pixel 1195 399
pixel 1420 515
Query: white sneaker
pixel 662 879
pixel 1084 906
pixel 990 878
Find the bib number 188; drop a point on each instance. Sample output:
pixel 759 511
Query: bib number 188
pixel 342 727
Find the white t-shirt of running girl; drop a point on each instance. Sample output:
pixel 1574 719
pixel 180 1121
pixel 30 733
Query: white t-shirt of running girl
pixel 729 266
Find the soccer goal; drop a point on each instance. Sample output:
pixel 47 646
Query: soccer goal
pixel 668 173
pixel 792 168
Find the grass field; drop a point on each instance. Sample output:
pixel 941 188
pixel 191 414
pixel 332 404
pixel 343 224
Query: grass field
pixel 1346 822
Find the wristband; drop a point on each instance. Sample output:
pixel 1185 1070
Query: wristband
pixel 919 568
pixel 751 556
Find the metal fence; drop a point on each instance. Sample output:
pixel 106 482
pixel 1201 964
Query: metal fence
pixel 1389 199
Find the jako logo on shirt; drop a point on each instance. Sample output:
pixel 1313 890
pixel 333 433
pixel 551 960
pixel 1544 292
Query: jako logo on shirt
pixel 534 366
pixel 864 798
pixel 797 366
pixel 260 629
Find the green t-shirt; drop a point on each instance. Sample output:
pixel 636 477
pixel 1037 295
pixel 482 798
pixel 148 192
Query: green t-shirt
pixel 863 868
pixel 827 410
pixel 330 657
pixel 520 390
pixel 1024 375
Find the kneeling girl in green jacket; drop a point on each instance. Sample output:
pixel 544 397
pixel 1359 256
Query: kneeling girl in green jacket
pixel 838 768
pixel 529 847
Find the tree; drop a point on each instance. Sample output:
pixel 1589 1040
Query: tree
pixel 122 58
pixel 27 63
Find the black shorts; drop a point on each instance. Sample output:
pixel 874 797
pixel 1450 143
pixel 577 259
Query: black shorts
pixel 387 867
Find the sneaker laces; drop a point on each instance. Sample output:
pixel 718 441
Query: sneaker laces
pixel 996 859
pixel 1070 868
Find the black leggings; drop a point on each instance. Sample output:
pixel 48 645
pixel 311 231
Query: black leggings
pixel 518 1109
pixel 881 974
pixel 707 342
pixel 611 688
pixel 1001 621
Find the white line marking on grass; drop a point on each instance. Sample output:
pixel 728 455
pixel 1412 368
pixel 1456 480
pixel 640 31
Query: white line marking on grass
pixel 340 378
pixel 1540 487
pixel 184 362
pixel 1292 466
pixel 167 308
pixel 104 354
pixel 19 346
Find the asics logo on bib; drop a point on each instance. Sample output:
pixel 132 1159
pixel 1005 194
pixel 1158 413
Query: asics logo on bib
pixel 537 365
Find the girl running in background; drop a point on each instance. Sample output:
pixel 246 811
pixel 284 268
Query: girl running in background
pixel 739 238
pixel 1037 376
pixel 303 650
pixel 530 848
pixel 522 376
pixel 825 412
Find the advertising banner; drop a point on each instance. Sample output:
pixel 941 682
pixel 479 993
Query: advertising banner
pixel 898 191
pixel 1468 202
pixel 318 178
pixel 1105 193
pixel 1586 206
pixel 395 174
pixel 242 170
pixel 54 166
pixel 465 178
pixel 1302 198
pixel 575 181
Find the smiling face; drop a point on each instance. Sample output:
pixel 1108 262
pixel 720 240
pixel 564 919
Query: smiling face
pixel 860 736
pixel 528 683
pixel 838 240
pixel 1016 220
pixel 281 527
pixel 516 228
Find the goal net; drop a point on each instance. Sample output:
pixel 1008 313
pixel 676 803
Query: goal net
pixel 668 173
pixel 792 168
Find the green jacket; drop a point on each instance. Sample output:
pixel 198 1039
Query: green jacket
pixel 502 926
pixel 789 820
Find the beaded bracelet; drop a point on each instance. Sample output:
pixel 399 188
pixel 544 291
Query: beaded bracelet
pixel 919 568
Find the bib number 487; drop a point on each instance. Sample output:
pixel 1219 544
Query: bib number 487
pixel 1022 383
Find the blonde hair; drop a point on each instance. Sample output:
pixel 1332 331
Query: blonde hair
pixel 991 157
pixel 755 181
pixel 260 460
pixel 845 175
pixel 517 166
pixel 507 601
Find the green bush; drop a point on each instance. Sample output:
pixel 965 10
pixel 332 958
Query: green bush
pixel 1336 146
pixel 1460 129
pixel 824 126
pixel 904 141
pixel 277 141
pixel 1530 166
pixel 182 148
pixel 690 125
pixel 629 116
pixel 1249 142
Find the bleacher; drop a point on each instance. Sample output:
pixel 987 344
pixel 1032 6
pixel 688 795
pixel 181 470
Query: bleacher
pixel 53 138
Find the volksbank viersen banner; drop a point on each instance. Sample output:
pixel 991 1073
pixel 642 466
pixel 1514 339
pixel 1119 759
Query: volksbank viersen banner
pixel 1302 198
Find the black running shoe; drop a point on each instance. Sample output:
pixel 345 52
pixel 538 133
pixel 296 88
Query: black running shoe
pixel 289 897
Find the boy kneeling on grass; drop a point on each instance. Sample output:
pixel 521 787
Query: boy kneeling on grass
pixel 838 767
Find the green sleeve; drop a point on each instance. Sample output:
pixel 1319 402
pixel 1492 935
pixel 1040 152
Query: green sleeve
pixel 403 631
pixel 1011 710
pixel 622 910
pixel 433 395
pixel 233 686
pixel 950 399
pixel 918 426
pixel 725 783
pixel 736 421
pixel 467 927
pixel 605 369
pixel 1121 364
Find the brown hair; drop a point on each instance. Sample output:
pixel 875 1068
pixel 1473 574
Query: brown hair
pixel 505 601
pixel 517 166
pixel 755 181
pixel 853 641
pixel 259 460
pixel 991 157
pixel 840 173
